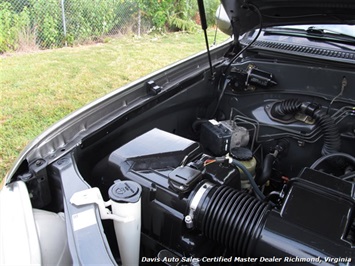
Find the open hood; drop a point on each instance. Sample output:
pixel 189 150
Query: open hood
pixel 244 15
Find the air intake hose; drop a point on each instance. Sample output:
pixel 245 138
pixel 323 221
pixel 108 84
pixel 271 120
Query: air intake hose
pixel 232 218
pixel 249 227
pixel 324 121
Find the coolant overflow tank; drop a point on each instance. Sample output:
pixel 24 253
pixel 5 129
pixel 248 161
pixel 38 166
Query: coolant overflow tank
pixel 126 203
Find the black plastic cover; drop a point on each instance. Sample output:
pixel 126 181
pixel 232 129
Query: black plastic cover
pixel 156 149
pixel 314 222
pixel 184 178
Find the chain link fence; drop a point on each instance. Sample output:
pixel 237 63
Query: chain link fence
pixel 56 23
pixel 32 24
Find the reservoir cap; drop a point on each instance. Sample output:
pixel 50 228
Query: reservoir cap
pixel 125 192
pixel 242 154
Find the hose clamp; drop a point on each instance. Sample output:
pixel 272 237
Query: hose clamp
pixel 201 192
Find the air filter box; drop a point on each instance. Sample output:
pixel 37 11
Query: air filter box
pixel 154 160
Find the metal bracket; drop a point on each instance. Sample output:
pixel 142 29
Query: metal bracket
pixel 93 195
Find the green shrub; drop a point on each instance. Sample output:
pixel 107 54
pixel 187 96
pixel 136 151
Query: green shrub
pixel 12 24
pixel 89 20
pixel 47 22
pixel 177 14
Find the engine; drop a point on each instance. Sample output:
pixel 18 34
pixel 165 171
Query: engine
pixel 222 198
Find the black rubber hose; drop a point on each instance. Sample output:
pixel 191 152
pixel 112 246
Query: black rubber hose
pixel 233 219
pixel 267 169
pixel 331 138
pixel 330 131
pixel 332 156
pixel 286 107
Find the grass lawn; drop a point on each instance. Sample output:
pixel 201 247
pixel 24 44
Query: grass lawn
pixel 39 88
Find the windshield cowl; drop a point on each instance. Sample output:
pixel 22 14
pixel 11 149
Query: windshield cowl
pixel 294 42
pixel 315 36
pixel 336 33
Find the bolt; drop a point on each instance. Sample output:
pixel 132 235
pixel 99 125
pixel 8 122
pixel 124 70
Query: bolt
pixel 188 221
pixel 39 162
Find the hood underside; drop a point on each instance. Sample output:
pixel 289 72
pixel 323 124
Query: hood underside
pixel 244 14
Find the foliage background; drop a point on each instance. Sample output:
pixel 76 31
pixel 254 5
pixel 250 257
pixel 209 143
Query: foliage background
pixel 28 24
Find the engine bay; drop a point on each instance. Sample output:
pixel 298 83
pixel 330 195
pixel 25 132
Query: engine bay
pixel 254 164
pixel 193 193
pixel 279 169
